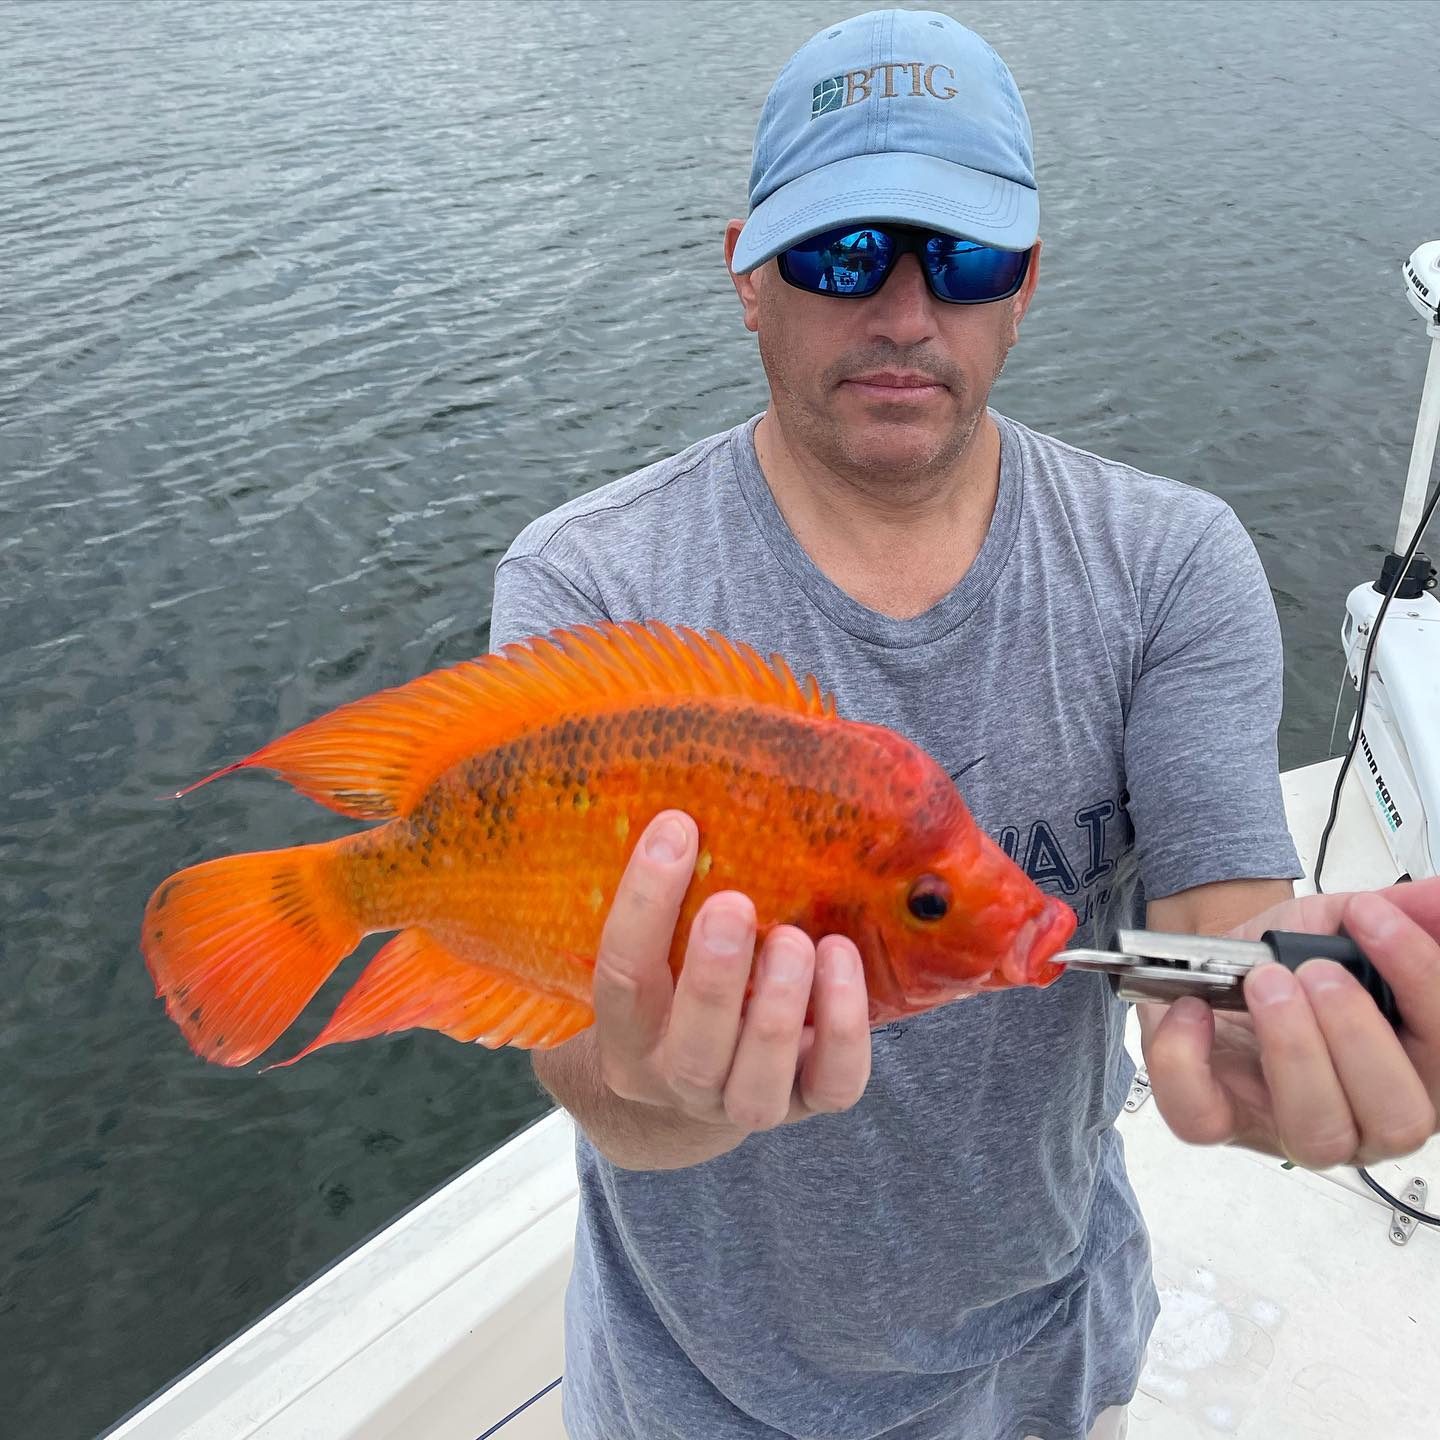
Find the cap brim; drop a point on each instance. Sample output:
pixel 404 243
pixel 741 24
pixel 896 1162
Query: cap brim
pixel 904 189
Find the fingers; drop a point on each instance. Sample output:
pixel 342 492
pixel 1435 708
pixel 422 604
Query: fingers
pixel 1418 899
pixel 1389 1109
pixel 1345 1087
pixel 1313 1119
pixel 709 997
pixel 1409 958
pixel 1407 953
pixel 759 1065
pixel 762 1078
pixel 632 988
pixel 837 1068
pixel 1196 1106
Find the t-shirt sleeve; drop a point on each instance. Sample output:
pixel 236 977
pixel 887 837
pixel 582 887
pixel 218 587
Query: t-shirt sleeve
pixel 1201 753
pixel 532 596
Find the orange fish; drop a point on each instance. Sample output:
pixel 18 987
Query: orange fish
pixel 514 787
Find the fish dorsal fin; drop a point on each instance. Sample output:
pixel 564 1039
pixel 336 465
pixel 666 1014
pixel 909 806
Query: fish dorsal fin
pixel 374 758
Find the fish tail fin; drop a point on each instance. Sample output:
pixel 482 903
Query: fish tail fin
pixel 237 946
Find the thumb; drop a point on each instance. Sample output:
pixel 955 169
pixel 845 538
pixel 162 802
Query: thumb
pixel 1196 1106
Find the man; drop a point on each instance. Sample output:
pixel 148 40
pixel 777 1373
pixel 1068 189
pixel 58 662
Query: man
pixel 813 1231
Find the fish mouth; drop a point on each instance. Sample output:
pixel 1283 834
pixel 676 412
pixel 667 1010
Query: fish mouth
pixel 1028 961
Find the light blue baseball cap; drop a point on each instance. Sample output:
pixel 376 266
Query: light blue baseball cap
pixel 899 115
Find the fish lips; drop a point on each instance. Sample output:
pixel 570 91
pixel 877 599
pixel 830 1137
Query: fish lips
pixel 1043 935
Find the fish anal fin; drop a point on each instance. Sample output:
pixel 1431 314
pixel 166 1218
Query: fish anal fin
pixel 374 758
pixel 414 982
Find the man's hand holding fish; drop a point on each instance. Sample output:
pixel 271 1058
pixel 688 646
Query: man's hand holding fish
pixel 692 1048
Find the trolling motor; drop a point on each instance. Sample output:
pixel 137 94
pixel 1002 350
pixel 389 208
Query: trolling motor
pixel 1396 730
pixel 1422 289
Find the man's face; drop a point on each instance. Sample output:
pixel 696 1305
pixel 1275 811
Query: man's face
pixel 890 387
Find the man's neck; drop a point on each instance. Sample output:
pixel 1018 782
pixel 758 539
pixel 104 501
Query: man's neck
pixel 896 546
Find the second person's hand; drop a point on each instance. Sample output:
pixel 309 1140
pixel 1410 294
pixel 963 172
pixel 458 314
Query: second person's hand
pixel 685 1046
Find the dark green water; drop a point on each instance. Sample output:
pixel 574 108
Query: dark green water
pixel 306 309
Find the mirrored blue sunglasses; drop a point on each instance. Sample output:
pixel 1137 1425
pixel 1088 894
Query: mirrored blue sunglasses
pixel 854 262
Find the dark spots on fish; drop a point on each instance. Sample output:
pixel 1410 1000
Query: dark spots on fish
pixel 582 776
pixel 159 935
pixel 219 1042
pixel 182 993
pixel 510 814
pixel 196 1014
pixel 496 811
pixel 162 895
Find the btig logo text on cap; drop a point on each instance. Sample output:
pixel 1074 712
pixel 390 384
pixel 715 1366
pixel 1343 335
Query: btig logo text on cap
pixel 837 91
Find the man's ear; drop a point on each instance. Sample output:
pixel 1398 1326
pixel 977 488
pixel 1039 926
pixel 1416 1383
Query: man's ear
pixel 745 286
pixel 1021 302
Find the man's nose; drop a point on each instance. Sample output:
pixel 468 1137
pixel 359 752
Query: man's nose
pixel 903 310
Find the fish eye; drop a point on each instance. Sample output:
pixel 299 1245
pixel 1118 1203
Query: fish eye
pixel 929 898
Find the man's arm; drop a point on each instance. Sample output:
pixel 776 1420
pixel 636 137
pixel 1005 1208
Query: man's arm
pixel 1217 908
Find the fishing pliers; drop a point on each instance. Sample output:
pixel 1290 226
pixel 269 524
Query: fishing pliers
pixel 1151 965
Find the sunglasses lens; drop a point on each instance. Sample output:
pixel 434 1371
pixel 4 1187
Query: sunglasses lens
pixel 839 262
pixel 972 274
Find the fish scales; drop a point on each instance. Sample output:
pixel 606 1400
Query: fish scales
pixel 491 856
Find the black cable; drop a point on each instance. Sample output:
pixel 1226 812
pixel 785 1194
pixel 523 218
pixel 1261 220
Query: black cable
pixel 1423 1216
pixel 538 1395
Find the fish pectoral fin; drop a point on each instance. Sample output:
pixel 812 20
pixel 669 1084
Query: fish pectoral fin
pixel 414 982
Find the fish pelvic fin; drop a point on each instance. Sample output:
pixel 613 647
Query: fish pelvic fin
pixel 414 982
pixel 373 759
pixel 237 946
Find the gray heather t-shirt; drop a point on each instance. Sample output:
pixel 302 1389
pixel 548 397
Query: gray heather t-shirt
pixel 960 1254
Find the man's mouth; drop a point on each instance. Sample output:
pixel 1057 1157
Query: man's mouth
pixel 896 380
pixel 897 384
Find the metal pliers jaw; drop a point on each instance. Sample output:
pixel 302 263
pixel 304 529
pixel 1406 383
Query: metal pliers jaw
pixel 1150 965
